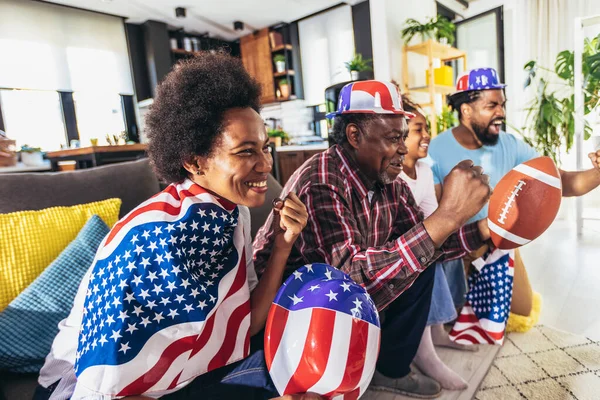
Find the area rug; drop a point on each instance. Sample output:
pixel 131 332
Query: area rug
pixel 544 364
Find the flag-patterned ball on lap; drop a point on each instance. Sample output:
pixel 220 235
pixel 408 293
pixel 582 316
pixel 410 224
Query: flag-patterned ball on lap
pixel 322 334
pixel 524 203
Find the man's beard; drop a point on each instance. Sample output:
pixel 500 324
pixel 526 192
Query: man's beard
pixel 484 136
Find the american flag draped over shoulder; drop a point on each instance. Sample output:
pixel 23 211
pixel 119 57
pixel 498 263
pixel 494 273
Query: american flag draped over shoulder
pixel 483 318
pixel 167 298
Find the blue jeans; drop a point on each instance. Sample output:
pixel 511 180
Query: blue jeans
pixel 442 307
pixel 457 282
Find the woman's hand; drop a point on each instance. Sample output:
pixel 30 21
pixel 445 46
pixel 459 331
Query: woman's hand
pixel 290 218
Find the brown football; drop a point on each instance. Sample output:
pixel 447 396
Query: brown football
pixel 524 203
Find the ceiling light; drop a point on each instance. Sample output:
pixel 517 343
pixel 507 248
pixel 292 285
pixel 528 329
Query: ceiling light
pixel 180 12
pixel 238 25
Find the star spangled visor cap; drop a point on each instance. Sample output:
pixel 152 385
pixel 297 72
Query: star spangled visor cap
pixel 322 334
pixel 478 79
pixel 370 97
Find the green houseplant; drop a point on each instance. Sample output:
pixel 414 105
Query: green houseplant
pixel 445 120
pixel 550 120
pixel 439 28
pixel 31 155
pixel 279 60
pixel 278 136
pixel 358 64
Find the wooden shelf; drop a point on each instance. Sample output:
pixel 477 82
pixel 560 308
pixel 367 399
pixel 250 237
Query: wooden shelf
pixel 438 50
pixel 439 89
pixel 281 47
pixel 284 73
pixel 184 52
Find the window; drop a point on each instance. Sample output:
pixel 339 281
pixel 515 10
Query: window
pixel 98 115
pixel 327 42
pixel 34 118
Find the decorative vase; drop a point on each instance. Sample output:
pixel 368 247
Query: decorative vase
pixel 354 75
pixel 32 159
pixel 285 90
pixel 280 66
pixel 276 140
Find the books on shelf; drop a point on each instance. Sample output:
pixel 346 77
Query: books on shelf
pixel 276 39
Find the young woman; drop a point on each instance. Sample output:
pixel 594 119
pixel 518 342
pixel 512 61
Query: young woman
pixel 419 177
pixel 171 301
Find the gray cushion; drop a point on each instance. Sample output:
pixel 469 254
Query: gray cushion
pixel 132 182
pixel 259 215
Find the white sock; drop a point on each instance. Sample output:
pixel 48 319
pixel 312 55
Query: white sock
pixel 430 364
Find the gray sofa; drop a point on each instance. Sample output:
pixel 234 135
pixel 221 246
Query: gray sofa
pixel 132 182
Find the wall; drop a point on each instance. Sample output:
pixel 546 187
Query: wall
pixel 387 21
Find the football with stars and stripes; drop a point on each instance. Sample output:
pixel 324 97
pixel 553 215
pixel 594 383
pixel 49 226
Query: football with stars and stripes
pixel 322 335
pixel 524 203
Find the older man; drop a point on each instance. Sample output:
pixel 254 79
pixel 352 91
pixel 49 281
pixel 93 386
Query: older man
pixel 370 228
pixel 479 100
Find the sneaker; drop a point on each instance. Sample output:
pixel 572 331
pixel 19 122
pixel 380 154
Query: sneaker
pixel 412 385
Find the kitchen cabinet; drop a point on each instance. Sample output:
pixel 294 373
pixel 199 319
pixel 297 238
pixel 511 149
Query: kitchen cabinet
pixel 290 161
pixel 281 81
pixel 256 57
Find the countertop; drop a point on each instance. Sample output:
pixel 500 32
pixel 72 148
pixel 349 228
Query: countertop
pixel 20 167
pixel 307 147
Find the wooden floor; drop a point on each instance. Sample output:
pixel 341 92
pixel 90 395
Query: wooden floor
pixel 473 367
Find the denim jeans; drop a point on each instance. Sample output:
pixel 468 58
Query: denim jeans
pixel 442 307
pixel 457 282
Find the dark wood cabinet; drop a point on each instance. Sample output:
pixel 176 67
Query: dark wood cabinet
pixel 290 161
pixel 281 80
pixel 256 56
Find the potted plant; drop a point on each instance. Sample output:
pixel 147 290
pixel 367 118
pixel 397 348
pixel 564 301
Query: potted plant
pixel 31 156
pixel 279 61
pixel 438 28
pixel 444 30
pixel 550 121
pixel 356 65
pixel 284 88
pixel 278 136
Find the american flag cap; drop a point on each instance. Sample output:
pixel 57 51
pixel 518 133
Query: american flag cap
pixel 322 334
pixel 478 79
pixel 370 97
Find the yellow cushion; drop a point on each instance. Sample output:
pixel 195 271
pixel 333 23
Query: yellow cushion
pixel 31 240
pixel 521 323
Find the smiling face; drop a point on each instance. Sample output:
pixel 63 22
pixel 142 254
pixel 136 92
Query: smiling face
pixel 241 159
pixel 417 142
pixel 379 146
pixel 486 116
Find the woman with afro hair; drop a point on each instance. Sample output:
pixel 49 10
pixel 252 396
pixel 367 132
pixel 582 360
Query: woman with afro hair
pixel 171 300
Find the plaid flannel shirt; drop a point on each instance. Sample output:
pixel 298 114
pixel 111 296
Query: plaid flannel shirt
pixel 375 235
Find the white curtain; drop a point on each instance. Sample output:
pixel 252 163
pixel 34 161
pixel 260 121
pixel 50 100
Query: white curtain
pixel 326 42
pixel 538 30
pixel 49 47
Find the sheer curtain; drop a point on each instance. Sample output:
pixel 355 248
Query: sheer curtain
pixel 49 47
pixel 540 30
